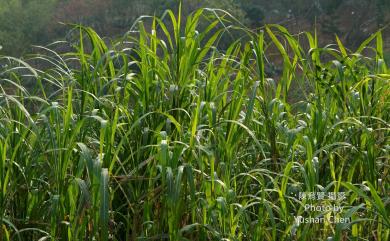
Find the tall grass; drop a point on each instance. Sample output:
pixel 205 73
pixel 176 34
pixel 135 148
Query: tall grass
pixel 162 135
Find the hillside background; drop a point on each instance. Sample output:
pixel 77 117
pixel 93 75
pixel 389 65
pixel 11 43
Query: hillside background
pixel 37 22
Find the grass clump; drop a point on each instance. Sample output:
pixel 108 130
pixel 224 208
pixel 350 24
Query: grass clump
pixel 162 135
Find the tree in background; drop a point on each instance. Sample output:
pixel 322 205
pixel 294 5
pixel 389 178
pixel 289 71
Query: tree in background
pixel 23 23
pixel 107 17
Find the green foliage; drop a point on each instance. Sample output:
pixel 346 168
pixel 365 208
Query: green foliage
pixel 23 23
pixel 164 135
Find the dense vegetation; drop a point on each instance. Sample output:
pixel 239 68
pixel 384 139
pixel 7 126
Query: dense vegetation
pixel 163 135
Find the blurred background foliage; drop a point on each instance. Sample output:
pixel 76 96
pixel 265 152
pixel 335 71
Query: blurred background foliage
pixel 27 22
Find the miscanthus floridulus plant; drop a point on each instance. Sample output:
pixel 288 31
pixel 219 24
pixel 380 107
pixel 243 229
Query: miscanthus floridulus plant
pixel 163 135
